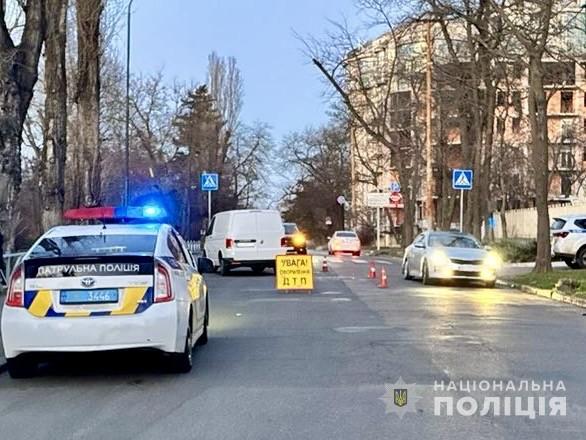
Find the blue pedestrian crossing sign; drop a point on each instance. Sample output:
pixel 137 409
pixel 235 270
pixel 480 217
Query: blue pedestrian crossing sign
pixel 462 179
pixel 209 182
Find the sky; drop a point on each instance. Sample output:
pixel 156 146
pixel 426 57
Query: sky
pixel 282 88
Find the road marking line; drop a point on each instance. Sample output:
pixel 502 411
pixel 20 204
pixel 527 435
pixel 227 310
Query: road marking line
pixel 340 299
pixel 359 329
pixel 330 292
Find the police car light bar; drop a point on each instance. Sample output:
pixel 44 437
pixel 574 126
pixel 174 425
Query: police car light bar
pixel 148 212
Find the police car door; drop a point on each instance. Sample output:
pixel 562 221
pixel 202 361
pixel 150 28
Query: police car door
pixel 185 277
pixel 197 283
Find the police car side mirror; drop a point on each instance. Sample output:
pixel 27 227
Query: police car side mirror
pixel 205 265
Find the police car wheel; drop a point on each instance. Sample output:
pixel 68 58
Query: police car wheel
pixel 203 339
pixel 21 367
pixel 183 362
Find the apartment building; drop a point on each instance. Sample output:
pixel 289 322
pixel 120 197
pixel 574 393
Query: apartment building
pixel 386 80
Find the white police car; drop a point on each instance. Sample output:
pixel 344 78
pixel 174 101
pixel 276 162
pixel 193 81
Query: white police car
pixel 84 288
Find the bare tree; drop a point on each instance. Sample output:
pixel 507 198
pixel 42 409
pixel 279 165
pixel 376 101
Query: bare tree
pixel 55 120
pixel 18 75
pixel 88 98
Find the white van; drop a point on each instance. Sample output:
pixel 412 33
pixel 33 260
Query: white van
pixel 247 237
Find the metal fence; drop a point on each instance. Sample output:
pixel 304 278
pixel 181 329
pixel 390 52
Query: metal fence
pixel 194 247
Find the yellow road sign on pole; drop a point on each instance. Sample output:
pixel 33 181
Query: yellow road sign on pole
pixel 294 272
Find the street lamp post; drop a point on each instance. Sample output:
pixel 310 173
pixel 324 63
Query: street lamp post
pixel 127 128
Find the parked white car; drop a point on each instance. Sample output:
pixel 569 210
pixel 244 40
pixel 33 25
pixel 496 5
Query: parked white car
pixel 568 240
pixel 247 237
pixel 344 242
pixel 438 255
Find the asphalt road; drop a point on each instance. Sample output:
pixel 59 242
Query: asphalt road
pixel 298 366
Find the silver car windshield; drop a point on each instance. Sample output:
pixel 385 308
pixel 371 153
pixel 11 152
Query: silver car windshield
pixel 453 241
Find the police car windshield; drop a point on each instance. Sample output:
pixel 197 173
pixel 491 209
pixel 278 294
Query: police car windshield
pixel 453 240
pixel 94 245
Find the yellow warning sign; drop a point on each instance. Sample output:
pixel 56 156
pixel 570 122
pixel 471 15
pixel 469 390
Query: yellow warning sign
pixel 294 272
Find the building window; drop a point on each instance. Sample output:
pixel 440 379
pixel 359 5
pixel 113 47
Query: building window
pixel 567 102
pixel 517 102
pixel 516 125
pixel 566 160
pixel 500 126
pixel 567 132
pixel 566 185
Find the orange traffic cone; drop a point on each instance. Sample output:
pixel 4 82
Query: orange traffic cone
pixel 384 282
pixel 324 265
pixel 371 270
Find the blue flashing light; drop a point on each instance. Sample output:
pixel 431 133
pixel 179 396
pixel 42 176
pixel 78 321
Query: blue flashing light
pixel 152 211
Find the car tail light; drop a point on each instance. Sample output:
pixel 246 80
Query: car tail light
pixel 229 243
pixel 163 291
pixel 561 234
pixel 15 297
pixel 284 241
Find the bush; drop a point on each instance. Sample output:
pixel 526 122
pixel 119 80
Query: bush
pixel 515 250
pixel 366 234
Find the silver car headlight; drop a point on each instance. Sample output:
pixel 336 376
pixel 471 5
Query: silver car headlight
pixel 439 258
pixel 493 261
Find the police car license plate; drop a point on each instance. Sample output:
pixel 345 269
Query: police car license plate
pixel 96 296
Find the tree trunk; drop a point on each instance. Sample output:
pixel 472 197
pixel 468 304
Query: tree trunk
pixel 18 76
pixel 540 145
pixel 55 122
pixel 88 95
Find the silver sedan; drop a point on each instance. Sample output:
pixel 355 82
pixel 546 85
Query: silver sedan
pixel 438 255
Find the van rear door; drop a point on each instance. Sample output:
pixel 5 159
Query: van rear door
pixel 244 236
pixel 270 230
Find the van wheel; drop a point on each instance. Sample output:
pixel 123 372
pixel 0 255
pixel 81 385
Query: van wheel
pixel 21 367
pixel 224 267
pixel 258 269
pixel 183 362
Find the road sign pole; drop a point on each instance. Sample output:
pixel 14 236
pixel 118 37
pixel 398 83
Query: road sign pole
pixel 209 207
pixel 461 210
pixel 378 229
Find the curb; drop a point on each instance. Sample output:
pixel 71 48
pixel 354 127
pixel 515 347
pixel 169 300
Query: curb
pixel 544 293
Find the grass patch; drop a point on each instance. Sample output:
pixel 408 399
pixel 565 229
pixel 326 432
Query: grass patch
pixel 550 279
